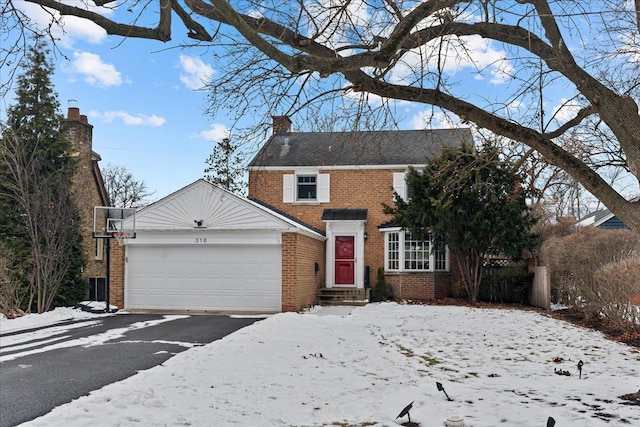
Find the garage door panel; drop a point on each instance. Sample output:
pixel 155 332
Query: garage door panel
pixel 204 277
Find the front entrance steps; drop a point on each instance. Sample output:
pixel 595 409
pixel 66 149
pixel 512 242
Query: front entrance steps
pixel 343 296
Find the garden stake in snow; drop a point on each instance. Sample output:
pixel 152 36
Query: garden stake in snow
pixel 440 388
pixel 404 412
pixel 580 364
pixel 551 422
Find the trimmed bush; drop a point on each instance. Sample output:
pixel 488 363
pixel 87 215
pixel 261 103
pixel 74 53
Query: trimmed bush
pixel 619 284
pixel 594 270
pixel 381 290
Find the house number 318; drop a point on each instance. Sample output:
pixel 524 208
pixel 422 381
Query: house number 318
pixel 201 240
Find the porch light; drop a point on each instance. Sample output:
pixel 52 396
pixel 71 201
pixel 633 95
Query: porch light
pixel 366 236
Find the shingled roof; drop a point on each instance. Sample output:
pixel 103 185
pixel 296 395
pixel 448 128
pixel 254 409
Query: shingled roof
pixel 402 147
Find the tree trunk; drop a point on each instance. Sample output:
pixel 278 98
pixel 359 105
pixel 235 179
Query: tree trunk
pixel 470 267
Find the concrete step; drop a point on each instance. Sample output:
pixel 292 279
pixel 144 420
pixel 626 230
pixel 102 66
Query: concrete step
pixel 343 296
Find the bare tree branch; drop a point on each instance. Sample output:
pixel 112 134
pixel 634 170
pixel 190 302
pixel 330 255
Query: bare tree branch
pixel 540 37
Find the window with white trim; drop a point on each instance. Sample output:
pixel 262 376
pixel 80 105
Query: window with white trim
pixel 416 253
pixel 401 186
pixel 393 251
pixel 305 186
pixel 99 249
pixel 403 253
pixel 306 189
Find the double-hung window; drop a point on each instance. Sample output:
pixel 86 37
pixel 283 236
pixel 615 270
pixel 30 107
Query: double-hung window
pixel 404 253
pixel 305 186
pixel 416 253
pixel 307 189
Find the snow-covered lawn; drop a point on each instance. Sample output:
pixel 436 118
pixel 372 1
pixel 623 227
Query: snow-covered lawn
pixel 361 369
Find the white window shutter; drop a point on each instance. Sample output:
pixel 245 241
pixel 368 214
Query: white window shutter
pixel 288 188
pixel 323 183
pixel 399 184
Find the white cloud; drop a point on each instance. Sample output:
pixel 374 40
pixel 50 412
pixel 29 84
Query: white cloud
pixel 95 71
pixel 434 119
pixel 501 72
pixel 195 72
pixel 457 54
pixel 514 105
pixel 566 110
pixel 128 119
pixel 323 13
pixel 80 29
pixel 73 28
pixel 216 133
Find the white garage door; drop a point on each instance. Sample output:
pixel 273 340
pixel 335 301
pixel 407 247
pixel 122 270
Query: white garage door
pixel 204 277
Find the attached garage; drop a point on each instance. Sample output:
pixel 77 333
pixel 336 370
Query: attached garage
pixel 204 277
pixel 205 249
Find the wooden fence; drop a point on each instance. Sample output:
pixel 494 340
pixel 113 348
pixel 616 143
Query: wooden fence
pixel 540 295
pixel 540 289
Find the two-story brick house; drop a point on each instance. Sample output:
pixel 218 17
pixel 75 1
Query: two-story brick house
pixel 338 182
pixel 314 219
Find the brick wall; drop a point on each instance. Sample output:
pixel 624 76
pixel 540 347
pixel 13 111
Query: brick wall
pixel 374 187
pixel 420 286
pixel 116 273
pixel 300 280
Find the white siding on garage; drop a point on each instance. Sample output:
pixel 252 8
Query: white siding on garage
pixel 204 277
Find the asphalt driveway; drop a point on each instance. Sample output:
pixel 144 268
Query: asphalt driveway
pixel 47 367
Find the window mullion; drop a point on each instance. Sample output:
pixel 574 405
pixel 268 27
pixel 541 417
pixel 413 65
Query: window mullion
pixel 401 251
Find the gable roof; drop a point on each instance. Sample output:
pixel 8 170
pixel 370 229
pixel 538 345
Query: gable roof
pixel 286 215
pixel 217 208
pixel 402 147
pixel 603 218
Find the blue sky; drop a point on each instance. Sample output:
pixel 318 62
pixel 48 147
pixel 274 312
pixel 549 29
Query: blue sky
pixel 142 98
pixel 142 101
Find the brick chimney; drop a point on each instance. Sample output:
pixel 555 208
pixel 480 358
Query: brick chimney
pixel 74 114
pixel 80 134
pixel 281 124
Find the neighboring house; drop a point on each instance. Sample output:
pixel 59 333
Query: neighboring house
pixel 337 182
pixel 89 190
pixel 604 219
pixel 313 219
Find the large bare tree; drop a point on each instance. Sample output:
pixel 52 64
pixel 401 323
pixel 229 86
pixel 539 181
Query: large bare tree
pixel 295 55
pixel 123 189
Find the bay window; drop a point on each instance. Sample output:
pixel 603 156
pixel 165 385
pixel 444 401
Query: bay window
pixel 404 253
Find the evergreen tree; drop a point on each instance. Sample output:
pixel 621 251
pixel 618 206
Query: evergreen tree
pixel 40 221
pixel 472 202
pixel 225 167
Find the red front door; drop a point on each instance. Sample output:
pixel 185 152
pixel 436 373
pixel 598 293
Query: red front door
pixel 344 260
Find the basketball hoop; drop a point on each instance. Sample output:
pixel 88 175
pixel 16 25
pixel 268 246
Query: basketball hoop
pixel 112 223
pixel 120 236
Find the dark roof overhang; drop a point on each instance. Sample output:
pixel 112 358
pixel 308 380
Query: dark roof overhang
pixel 344 214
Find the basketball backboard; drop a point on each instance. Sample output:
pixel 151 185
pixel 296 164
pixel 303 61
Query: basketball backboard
pixel 111 222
